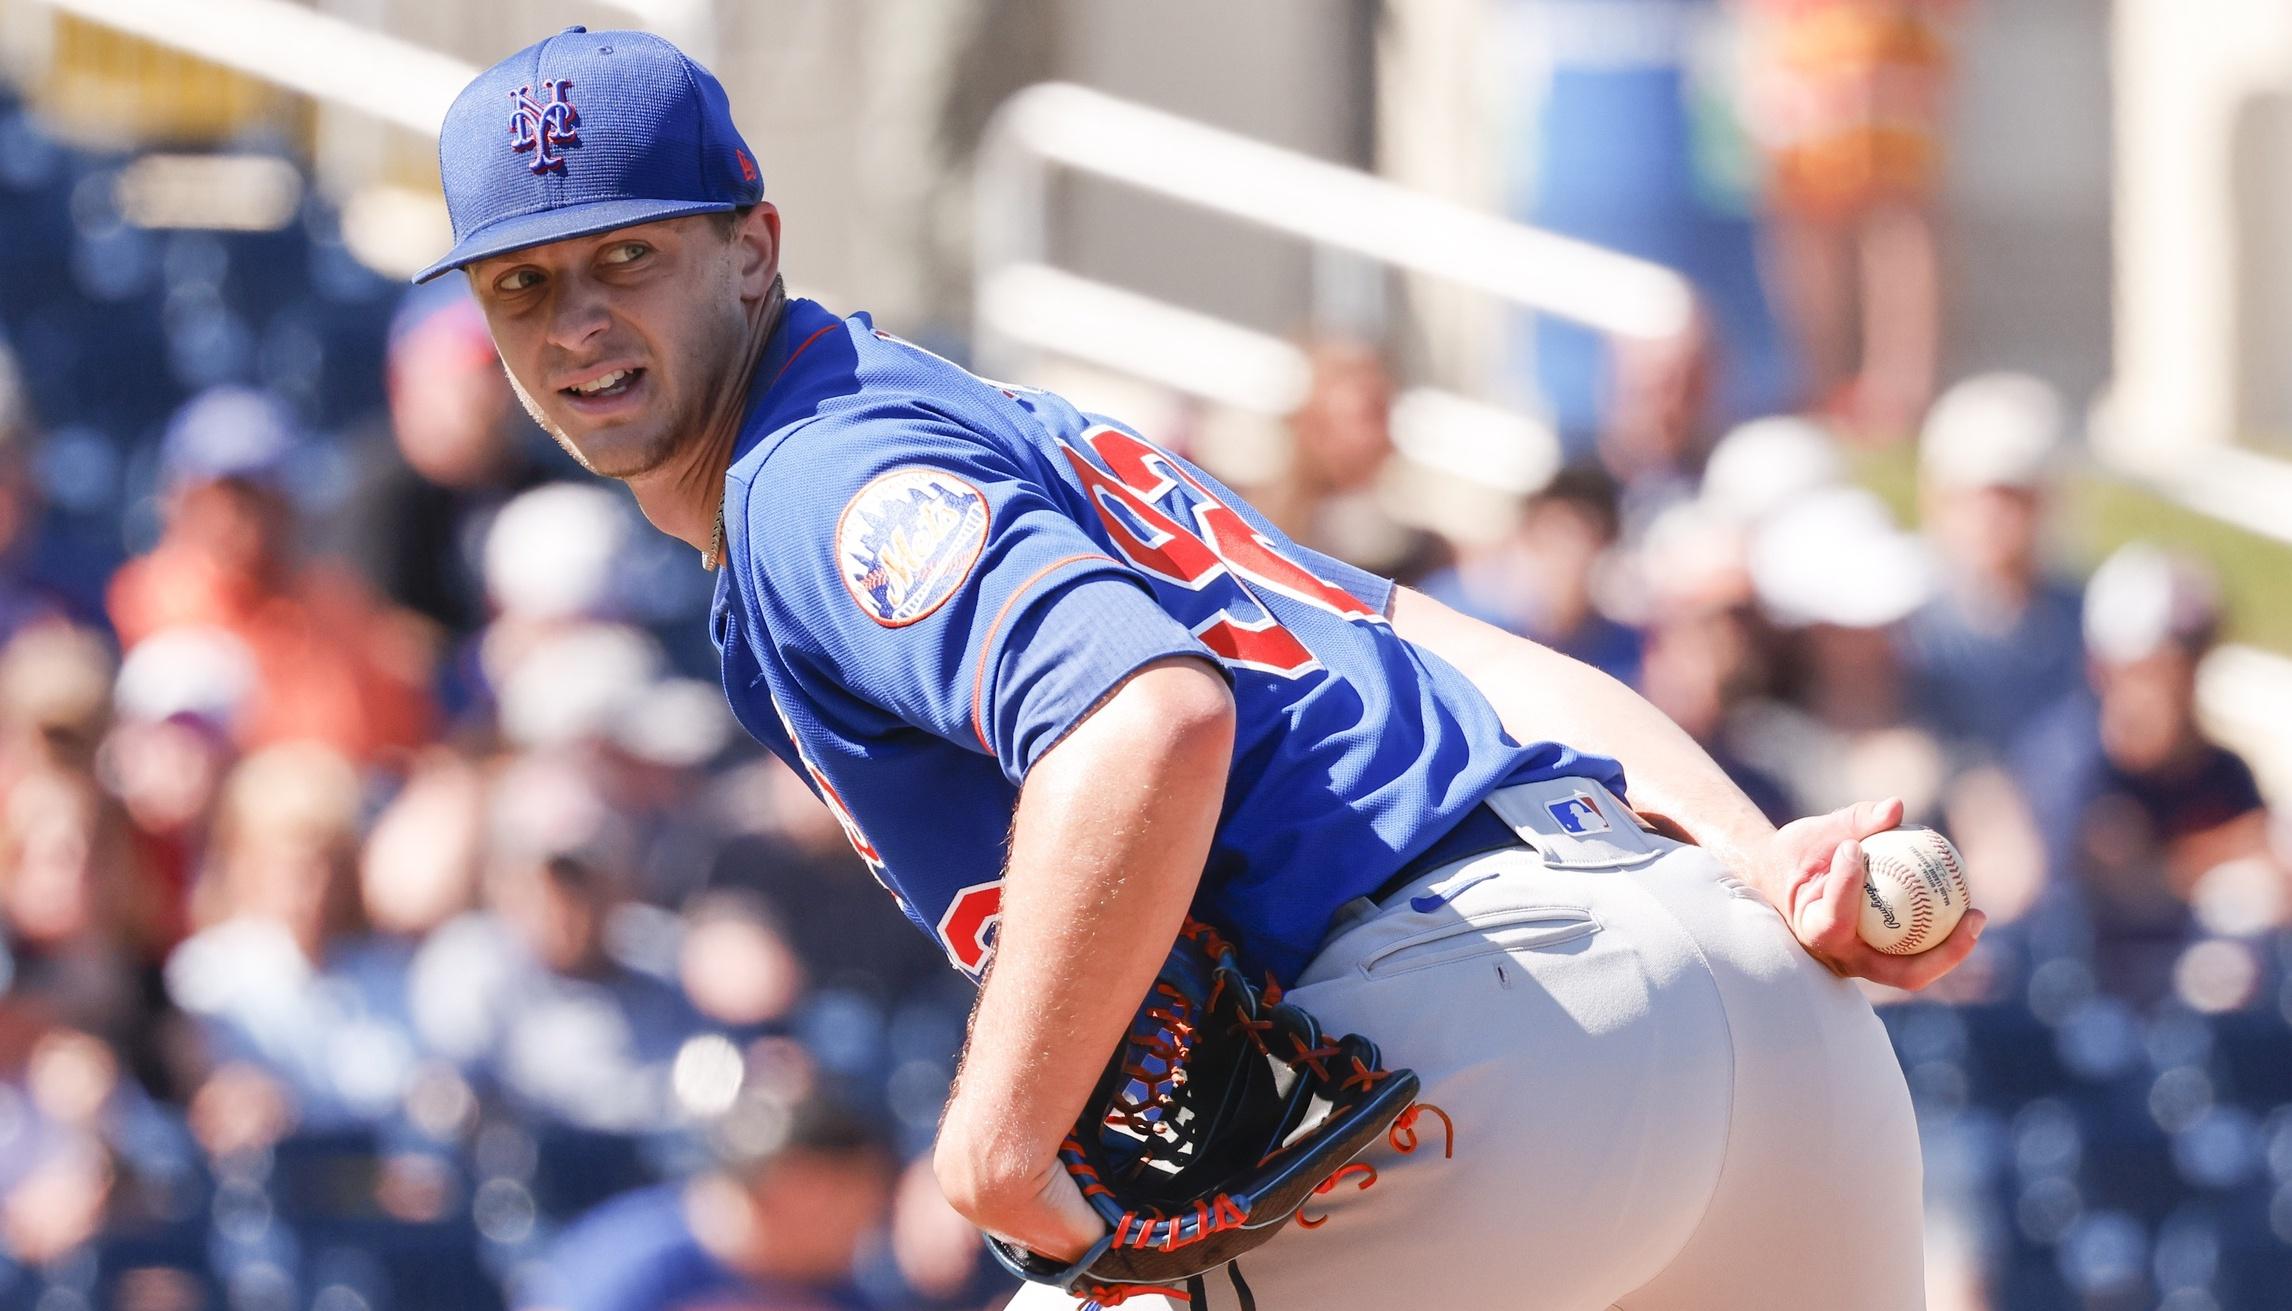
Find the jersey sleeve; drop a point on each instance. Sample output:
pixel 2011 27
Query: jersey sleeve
pixel 927 573
pixel 1372 590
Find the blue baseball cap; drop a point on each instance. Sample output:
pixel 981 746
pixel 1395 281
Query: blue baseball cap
pixel 582 133
pixel 229 432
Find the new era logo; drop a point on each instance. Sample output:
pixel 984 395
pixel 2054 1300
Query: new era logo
pixel 1577 814
pixel 543 126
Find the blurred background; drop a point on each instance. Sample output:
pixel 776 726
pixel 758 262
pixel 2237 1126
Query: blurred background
pixel 1895 391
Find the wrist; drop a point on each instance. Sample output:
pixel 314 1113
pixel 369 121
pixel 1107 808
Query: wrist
pixel 1745 851
pixel 1715 815
pixel 986 1177
pixel 1031 1205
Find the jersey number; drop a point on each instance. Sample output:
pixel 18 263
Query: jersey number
pixel 1219 545
pixel 967 930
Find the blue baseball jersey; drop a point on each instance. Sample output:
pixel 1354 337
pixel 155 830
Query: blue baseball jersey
pixel 930 578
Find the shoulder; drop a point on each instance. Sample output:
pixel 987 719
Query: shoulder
pixel 2228 779
pixel 633 1251
pixel 234 961
pixel 655 1214
pixel 658 1001
pixel 2063 595
pixel 872 431
pixel 473 932
pixel 851 400
pixel 474 950
pixel 897 494
pixel 847 377
pixel 2057 615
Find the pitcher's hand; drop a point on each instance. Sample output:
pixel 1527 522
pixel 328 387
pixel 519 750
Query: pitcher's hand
pixel 1813 872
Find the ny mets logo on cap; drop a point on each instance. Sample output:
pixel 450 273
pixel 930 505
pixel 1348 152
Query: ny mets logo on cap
pixel 907 541
pixel 1578 814
pixel 542 126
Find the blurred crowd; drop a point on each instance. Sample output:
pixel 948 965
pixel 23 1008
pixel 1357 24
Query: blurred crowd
pixel 391 917
pixel 390 914
pixel 2105 1090
pixel 2106 1087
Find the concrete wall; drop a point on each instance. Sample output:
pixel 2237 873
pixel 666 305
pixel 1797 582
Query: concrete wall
pixel 1291 72
pixel 2025 204
pixel 865 113
pixel 2204 200
pixel 2026 201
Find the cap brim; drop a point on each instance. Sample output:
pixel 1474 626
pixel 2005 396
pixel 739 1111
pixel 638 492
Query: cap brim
pixel 544 226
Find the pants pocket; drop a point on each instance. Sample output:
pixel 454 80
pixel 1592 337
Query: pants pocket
pixel 1522 928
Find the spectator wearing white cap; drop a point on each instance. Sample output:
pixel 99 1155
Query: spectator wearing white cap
pixel 1997 649
pixel 1836 575
pixel 1767 465
pixel 179 700
pixel 555 563
pixel 2163 806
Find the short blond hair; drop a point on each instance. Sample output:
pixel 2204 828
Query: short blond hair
pixel 304 788
pixel 303 792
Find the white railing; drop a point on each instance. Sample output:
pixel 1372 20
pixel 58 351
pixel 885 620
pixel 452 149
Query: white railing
pixel 2244 697
pixel 1084 131
pixel 2230 483
pixel 1026 309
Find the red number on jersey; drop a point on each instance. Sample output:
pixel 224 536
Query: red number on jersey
pixel 1220 545
pixel 967 929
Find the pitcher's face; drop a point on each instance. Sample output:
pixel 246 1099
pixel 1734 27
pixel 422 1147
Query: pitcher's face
pixel 618 342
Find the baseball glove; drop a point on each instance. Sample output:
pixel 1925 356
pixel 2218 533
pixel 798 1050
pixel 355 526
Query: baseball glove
pixel 1222 1113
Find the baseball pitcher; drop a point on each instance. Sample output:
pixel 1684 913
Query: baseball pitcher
pixel 1259 860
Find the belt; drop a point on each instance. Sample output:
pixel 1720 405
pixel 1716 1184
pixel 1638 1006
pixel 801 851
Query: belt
pixel 1480 831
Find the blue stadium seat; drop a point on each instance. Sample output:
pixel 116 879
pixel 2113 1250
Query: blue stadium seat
pixel 2254 1055
pixel 2010 1054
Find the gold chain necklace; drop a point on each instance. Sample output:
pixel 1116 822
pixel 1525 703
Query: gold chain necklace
pixel 713 558
pixel 714 555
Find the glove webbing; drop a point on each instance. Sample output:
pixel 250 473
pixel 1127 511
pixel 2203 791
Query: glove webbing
pixel 1403 1136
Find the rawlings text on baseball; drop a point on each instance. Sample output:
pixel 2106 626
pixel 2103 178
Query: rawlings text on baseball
pixel 1913 889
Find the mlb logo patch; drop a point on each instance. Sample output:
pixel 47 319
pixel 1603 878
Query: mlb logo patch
pixel 1577 814
pixel 907 541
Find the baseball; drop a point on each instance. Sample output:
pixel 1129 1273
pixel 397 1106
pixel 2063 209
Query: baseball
pixel 1913 889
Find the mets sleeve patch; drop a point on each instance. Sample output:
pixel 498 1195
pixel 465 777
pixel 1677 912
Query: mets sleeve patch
pixel 908 540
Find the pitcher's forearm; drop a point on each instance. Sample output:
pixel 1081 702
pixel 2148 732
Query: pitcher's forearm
pixel 1113 827
pixel 1542 695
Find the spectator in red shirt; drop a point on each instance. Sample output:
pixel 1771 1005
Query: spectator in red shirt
pixel 335 666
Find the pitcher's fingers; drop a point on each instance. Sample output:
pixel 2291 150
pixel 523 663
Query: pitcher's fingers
pixel 1911 973
pixel 1868 817
pixel 1827 924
